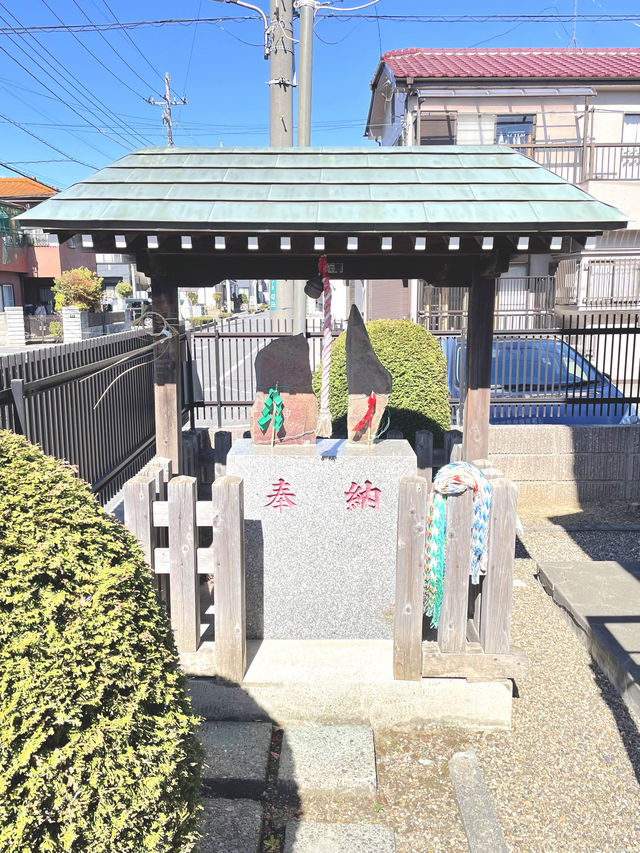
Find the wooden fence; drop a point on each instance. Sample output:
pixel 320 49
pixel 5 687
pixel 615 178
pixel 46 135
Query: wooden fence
pixel 473 635
pixel 170 524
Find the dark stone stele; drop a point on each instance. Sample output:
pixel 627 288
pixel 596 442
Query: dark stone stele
pixel 365 373
pixel 285 363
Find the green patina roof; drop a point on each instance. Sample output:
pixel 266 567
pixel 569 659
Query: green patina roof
pixel 439 189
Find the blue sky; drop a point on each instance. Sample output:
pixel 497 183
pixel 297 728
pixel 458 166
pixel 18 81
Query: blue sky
pixel 221 70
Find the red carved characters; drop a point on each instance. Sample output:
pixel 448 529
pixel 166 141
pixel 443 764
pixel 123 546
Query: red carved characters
pixel 282 497
pixel 359 497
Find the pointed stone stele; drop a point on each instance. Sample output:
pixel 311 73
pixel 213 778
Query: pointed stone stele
pixel 365 373
pixel 285 363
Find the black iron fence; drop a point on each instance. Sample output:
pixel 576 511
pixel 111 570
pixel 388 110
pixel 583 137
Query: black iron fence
pixel 222 376
pixel 586 370
pixel 91 403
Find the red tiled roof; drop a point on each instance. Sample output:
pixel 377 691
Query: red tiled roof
pixel 24 187
pixel 545 63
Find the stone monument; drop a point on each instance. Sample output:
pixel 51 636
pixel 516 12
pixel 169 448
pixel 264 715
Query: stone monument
pixel 285 410
pixel 368 381
pixel 320 515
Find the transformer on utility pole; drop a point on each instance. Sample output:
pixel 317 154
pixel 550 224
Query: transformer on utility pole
pixel 167 103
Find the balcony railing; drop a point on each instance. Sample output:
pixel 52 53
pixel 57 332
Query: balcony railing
pixel 578 163
pixel 603 283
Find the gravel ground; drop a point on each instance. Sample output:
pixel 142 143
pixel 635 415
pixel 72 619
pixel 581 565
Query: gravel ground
pixel 565 778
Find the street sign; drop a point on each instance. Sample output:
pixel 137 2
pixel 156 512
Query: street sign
pixel 273 294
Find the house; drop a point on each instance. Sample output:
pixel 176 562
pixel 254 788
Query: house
pixel 574 111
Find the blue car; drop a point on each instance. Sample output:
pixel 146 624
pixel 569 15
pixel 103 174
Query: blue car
pixel 540 380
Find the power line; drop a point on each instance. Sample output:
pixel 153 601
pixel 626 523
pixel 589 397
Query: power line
pixel 48 144
pixel 335 14
pixel 146 59
pixel 112 48
pixel 54 68
pixel 49 89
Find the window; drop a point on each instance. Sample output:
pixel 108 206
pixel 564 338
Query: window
pixel 6 296
pixel 476 129
pixel 631 128
pixel 438 128
pixel 515 129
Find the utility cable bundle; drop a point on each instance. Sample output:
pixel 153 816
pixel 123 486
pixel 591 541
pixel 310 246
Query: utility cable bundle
pixel 454 479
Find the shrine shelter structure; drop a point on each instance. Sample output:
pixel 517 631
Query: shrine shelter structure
pixel 451 215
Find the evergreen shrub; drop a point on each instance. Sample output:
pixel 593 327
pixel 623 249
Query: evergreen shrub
pixel 420 395
pixel 97 744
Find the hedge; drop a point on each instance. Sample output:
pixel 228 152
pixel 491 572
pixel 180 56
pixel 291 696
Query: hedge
pixel 97 744
pixel 420 396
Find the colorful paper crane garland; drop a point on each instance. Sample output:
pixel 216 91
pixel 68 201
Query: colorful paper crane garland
pixel 454 479
pixel 272 412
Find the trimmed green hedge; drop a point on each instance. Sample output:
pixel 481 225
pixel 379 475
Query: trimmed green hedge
pixel 420 396
pixel 97 744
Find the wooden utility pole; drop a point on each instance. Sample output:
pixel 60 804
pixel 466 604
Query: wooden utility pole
pixel 167 103
pixel 281 111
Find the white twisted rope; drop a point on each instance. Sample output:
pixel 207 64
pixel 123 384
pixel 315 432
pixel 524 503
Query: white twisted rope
pixel 324 420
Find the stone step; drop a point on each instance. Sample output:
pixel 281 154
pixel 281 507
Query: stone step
pixel 331 760
pixel 236 757
pixel 340 682
pixel 307 837
pixel 230 826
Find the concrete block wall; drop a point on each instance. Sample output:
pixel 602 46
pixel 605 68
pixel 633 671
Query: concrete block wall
pixel 75 325
pixel 569 465
pixel 12 331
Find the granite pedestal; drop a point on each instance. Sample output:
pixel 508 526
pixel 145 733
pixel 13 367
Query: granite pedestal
pixel 321 530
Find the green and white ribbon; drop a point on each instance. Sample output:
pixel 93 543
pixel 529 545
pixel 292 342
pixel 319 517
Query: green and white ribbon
pixel 272 410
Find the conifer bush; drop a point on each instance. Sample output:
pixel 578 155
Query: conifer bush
pixel 97 744
pixel 420 395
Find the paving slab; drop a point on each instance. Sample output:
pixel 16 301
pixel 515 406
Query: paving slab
pixel 603 600
pixel 327 759
pixel 308 837
pixel 236 757
pixel 230 826
pixel 484 834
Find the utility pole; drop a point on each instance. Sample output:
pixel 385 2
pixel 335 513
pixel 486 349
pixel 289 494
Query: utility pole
pixel 307 12
pixel 307 9
pixel 281 111
pixel 167 103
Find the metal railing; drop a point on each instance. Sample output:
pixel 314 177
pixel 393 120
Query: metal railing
pixel 588 366
pixel 594 161
pixel 91 403
pixel 603 283
pixel 522 302
pixel 222 375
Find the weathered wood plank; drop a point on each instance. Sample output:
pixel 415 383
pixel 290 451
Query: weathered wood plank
pixel 139 494
pixel 185 584
pixel 229 579
pixel 167 375
pixel 204 513
pixel 473 663
pixel 475 436
pixel 424 453
pixel 452 628
pixel 407 625
pixel 497 589
pixel 205 560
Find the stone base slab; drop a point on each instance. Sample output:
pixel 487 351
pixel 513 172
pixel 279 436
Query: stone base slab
pixel 230 826
pixel 341 682
pixel 307 837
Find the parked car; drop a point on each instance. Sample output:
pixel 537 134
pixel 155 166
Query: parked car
pixel 137 306
pixel 541 380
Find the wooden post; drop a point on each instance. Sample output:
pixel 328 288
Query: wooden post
pixel 167 375
pixel 497 586
pixel 407 624
pixel 139 495
pixel 222 442
pixel 229 578
pixel 424 453
pixel 160 469
pixel 475 436
pixel 452 628
pixel 183 543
